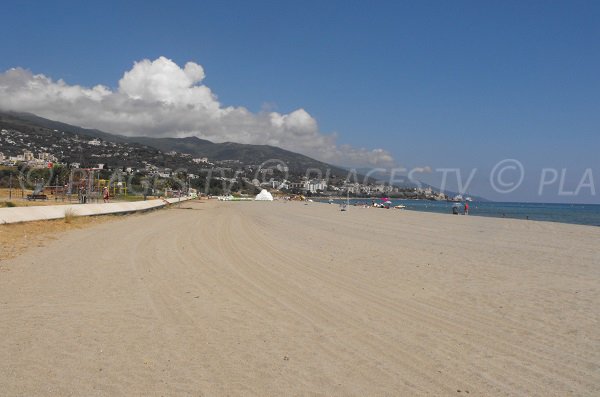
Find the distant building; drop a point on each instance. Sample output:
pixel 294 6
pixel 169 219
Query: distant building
pixel 316 185
pixel 44 156
pixel 297 185
pixel 95 142
pixel 2 156
pixel 279 184
pixel 352 188
pixel 27 155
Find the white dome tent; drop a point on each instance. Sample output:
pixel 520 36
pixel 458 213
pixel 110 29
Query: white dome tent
pixel 264 196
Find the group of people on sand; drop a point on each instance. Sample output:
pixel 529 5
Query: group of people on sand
pixel 456 208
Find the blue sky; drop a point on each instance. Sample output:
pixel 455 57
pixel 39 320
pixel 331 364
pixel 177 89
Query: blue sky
pixel 438 84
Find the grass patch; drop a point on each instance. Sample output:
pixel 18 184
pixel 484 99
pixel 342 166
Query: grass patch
pixel 69 215
pixel 131 198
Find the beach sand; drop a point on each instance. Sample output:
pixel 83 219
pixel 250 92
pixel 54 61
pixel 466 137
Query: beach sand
pixel 278 298
pixel 18 237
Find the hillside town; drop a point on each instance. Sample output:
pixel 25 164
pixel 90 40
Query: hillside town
pixel 136 164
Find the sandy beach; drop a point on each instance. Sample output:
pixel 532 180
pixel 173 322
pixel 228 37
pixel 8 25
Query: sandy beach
pixel 280 298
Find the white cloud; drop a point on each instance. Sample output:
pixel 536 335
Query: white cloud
pixel 422 170
pixel 159 98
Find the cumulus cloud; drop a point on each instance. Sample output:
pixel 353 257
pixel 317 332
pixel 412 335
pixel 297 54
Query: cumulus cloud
pixel 161 99
pixel 422 170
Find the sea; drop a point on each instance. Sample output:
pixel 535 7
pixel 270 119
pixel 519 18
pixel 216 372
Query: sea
pixel 580 214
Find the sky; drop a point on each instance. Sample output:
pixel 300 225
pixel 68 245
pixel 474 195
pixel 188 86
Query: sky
pixel 505 92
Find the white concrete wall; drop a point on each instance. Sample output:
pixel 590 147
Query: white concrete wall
pixel 40 213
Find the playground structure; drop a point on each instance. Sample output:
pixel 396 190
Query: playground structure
pixel 87 186
pixel 38 193
pixel 115 188
pixel 82 181
pixel 90 186
pixel 83 185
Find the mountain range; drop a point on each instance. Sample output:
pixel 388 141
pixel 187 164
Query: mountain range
pixel 244 153
pixel 153 150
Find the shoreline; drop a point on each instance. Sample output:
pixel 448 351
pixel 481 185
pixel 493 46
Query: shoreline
pixel 540 212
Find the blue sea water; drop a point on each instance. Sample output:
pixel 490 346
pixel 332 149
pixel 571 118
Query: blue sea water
pixel 581 214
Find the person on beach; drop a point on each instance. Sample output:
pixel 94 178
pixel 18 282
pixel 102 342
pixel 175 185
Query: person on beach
pixel 105 194
pixel 466 211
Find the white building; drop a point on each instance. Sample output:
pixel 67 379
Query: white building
pixel 95 142
pixel 315 185
pixel 352 188
pixel 44 156
pixel 280 184
pixel 298 185
pixel 312 185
